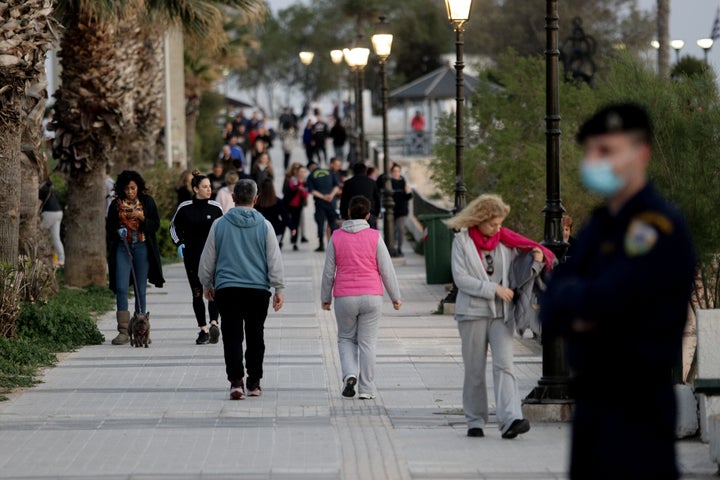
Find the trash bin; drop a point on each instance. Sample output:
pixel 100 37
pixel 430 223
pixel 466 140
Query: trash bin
pixel 438 246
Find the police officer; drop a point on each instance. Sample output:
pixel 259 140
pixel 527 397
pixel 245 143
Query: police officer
pixel 621 302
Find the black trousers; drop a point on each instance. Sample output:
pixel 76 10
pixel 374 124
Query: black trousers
pixel 619 439
pixel 243 312
pixel 295 216
pixel 324 211
pixel 192 264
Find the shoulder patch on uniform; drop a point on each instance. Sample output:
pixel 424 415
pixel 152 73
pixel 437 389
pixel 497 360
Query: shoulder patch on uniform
pixel 640 238
pixel 657 219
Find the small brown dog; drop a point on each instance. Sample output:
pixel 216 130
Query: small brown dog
pixel 140 330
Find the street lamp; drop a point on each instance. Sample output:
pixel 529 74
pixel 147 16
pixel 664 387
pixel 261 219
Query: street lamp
pixel 357 58
pixel 306 59
pixel 553 387
pixel 677 45
pixel 706 44
pixel 382 44
pixel 337 58
pixel 458 12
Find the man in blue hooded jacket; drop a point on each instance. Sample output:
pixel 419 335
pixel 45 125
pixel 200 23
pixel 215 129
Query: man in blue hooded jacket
pixel 239 265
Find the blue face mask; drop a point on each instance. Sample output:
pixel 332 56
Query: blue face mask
pixel 598 177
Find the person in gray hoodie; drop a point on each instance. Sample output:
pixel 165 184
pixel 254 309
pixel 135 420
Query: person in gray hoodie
pixel 239 265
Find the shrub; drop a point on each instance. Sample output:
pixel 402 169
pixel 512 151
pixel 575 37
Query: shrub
pixel 165 242
pixel 10 294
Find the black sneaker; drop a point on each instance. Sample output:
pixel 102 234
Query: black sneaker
pixel 475 432
pixel 521 425
pixel 295 248
pixel 214 333
pixel 203 338
pixel 320 249
pixel 304 240
pixel 349 390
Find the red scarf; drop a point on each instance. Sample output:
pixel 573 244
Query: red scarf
pixel 511 240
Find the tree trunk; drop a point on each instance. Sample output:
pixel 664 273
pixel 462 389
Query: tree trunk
pixel 663 34
pixel 9 190
pixel 90 113
pixel 192 112
pixel 33 165
pixel 86 201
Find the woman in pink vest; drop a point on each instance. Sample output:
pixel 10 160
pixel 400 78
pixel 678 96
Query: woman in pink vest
pixel 357 264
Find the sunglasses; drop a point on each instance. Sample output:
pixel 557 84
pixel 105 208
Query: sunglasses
pixel 489 268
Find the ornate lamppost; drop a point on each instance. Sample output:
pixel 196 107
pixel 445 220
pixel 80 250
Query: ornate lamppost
pixel 357 58
pixel 553 387
pixel 706 44
pixel 677 45
pixel 577 53
pixel 306 58
pixel 382 44
pixel 337 58
pixel 458 12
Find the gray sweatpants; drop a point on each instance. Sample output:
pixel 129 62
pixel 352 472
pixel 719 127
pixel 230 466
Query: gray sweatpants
pixel 475 336
pixel 357 321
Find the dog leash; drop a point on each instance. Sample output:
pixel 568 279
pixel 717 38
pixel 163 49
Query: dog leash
pixel 138 307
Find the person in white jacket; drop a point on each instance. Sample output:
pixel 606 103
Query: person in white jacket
pixel 482 253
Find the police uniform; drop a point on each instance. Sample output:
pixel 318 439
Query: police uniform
pixel 621 303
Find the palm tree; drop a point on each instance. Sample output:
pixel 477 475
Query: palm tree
pixel 26 30
pixel 95 107
pixel 663 33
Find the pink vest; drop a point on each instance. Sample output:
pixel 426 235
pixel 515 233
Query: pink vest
pixel 356 263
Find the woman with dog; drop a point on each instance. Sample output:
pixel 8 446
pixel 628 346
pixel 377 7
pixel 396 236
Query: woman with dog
pixel 131 228
pixel 189 229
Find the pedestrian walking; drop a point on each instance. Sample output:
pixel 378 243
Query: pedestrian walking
pixel 401 197
pixel 621 302
pixel 323 185
pixel 224 195
pixel 295 197
pixel 360 184
pixel 309 142
pixel 51 214
pixel 338 133
pixel 273 209
pixel 133 218
pixel 482 253
pixel 189 229
pixel 239 265
pixel 357 265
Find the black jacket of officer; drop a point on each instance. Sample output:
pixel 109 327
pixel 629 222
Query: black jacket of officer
pixel 621 302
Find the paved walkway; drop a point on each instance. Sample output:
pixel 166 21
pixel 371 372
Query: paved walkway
pixel 164 412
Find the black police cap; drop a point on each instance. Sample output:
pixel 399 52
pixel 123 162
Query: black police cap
pixel 621 117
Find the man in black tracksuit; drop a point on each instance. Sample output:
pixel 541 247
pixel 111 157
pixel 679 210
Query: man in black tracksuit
pixel 189 229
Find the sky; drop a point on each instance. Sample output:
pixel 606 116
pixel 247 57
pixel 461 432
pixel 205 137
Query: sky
pixel 690 20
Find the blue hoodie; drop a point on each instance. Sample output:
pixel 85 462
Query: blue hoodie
pixel 241 251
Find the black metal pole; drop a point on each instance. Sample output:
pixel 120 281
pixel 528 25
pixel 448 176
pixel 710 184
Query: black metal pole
pixel 460 189
pixel 388 200
pixel 553 386
pixel 361 114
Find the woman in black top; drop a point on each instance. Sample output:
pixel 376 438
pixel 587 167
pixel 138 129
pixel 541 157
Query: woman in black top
pixel 189 229
pixel 133 217
pixel 51 213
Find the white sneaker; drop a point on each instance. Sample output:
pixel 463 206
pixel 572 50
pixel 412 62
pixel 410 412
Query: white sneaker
pixel 366 396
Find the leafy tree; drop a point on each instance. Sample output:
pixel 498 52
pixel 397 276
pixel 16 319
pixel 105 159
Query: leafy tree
pixel 496 25
pixel 506 146
pixel 95 107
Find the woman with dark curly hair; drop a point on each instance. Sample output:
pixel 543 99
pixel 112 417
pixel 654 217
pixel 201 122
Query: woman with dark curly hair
pixel 133 216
